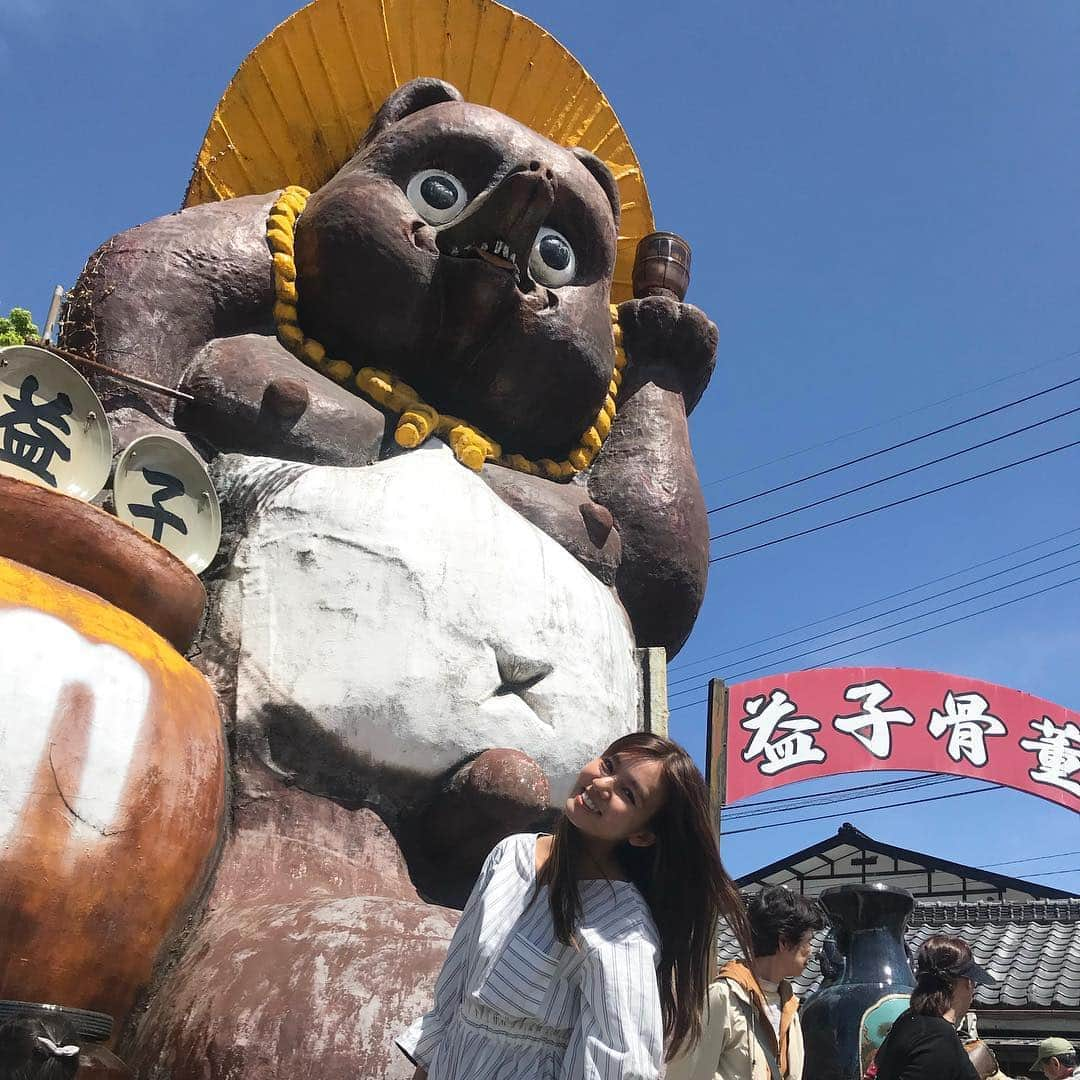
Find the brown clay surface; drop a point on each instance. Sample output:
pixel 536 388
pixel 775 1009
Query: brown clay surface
pixel 315 949
pixel 88 547
pixel 86 907
pixel 308 991
pixel 289 845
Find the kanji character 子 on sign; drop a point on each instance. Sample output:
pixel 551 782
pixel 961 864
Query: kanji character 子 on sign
pixel 871 725
pixel 167 487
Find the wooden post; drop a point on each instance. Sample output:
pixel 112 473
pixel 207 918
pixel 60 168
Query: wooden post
pixel 716 766
pixel 716 747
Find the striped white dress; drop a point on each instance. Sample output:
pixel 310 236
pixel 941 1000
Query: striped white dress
pixel 512 1003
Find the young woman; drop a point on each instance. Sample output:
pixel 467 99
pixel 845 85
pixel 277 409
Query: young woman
pixel 582 954
pixel 923 1043
pixel 752 1029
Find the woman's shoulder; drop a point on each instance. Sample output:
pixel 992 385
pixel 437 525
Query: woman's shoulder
pixel 930 1026
pixel 516 852
pixel 919 1025
pixel 519 841
pixel 917 1030
pixel 516 844
pixel 720 993
pixel 718 997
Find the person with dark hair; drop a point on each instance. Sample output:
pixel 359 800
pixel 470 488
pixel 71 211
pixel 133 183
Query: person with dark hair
pixel 586 953
pixel 38 1048
pixel 1057 1059
pixel 923 1043
pixel 752 1028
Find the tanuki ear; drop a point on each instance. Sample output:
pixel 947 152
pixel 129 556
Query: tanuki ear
pixel 603 176
pixel 412 97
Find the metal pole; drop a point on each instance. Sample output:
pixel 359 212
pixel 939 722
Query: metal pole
pixel 112 373
pixel 54 310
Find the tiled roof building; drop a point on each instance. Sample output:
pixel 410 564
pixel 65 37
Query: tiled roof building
pixel 1025 934
pixel 1032 949
pixel 851 857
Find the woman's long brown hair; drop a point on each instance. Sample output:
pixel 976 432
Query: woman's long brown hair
pixel 680 876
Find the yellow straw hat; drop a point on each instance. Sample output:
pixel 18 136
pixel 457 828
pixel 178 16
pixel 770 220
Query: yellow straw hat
pixel 296 108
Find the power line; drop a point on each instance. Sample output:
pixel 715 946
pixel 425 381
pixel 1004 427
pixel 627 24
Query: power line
pixel 899 607
pixel 840 794
pixel 906 637
pixel 895 502
pixel 1054 873
pixel 951 622
pixel 849 796
pixel 1036 858
pixel 871 603
pixel 835 791
pixel 897 446
pixel 868 810
pixel 904 607
pixel 880 629
pixel 893 476
pixel 892 419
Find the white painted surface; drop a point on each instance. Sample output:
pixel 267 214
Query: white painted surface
pixel 382 600
pixel 40 656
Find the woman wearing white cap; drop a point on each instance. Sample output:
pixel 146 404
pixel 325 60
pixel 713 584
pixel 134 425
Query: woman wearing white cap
pixel 923 1043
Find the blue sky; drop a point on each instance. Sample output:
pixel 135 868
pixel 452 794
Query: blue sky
pixel 883 205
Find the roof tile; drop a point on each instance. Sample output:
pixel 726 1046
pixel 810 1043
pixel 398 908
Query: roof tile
pixel 1032 949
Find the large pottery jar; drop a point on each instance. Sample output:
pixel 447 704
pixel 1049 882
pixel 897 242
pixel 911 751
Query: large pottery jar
pixel 112 759
pixel 868 924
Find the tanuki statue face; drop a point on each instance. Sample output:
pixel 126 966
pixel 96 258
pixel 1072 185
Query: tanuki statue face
pixel 473 258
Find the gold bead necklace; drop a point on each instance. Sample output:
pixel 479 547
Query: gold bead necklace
pixel 417 420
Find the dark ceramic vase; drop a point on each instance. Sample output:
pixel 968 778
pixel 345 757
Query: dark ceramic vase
pixel 868 924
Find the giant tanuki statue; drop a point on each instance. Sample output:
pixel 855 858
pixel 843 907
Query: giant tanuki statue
pixel 454 465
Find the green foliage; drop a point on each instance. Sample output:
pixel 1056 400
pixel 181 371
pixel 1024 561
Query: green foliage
pixel 17 328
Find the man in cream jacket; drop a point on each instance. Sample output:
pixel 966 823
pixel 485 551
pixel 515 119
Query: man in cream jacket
pixel 751 1023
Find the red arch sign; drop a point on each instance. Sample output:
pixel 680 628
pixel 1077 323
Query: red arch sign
pixel 784 728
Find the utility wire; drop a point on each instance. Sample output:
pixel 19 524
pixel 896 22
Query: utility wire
pixel 906 637
pixel 833 791
pixel 842 794
pixel 895 502
pixel 892 419
pixel 1054 873
pixel 867 810
pixel 949 622
pixel 897 446
pixel 850 796
pixel 893 610
pixel 904 607
pixel 679 666
pixel 1036 858
pixel 894 476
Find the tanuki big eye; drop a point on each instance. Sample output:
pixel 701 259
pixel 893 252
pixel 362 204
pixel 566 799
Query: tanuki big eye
pixel 552 260
pixel 436 195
